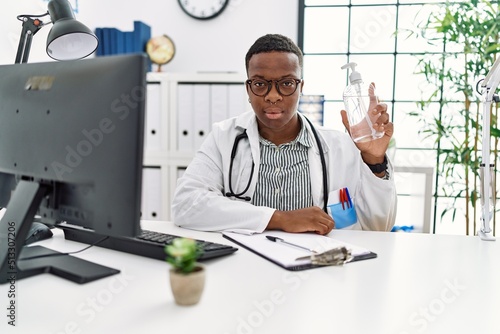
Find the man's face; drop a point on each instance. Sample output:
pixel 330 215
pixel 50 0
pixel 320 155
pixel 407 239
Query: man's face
pixel 273 110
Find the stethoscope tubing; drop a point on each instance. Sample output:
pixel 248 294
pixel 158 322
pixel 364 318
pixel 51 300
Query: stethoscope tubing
pixel 243 135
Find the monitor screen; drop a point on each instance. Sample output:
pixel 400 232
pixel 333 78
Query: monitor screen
pixel 71 143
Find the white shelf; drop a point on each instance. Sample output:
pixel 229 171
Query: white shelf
pixel 174 97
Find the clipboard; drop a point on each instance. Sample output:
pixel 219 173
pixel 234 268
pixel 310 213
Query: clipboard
pixel 292 258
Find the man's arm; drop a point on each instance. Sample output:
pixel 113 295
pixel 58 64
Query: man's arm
pixel 312 219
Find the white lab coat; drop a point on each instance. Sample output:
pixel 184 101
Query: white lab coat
pixel 199 202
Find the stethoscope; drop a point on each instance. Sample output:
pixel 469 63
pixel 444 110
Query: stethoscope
pixel 243 135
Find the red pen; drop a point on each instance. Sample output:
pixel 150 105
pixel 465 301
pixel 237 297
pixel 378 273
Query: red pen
pixel 341 195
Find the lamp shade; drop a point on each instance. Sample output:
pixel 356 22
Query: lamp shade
pixel 68 39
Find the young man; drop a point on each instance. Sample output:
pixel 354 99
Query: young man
pixel 271 169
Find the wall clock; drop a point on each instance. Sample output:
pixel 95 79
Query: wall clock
pixel 203 9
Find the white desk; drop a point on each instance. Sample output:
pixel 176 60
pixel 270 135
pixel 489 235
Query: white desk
pixel 418 284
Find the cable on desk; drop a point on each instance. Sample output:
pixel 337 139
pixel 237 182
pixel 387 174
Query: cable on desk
pixel 68 253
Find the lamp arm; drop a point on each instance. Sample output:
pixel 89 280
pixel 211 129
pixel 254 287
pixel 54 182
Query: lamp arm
pixel 486 165
pixel 31 25
pixel 490 84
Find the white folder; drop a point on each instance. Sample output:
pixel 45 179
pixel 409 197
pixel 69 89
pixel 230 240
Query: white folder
pixel 153 131
pixel 151 193
pixel 219 102
pixel 185 128
pixel 238 100
pixel 201 114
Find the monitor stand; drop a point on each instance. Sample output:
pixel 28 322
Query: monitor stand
pixel 18 261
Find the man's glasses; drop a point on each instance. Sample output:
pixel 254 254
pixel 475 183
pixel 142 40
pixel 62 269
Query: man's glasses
pixel 285 87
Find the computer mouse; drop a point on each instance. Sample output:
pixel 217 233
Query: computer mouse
pixel 37 232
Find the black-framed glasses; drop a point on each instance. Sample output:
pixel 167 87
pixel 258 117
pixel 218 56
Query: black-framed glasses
pixel 285 87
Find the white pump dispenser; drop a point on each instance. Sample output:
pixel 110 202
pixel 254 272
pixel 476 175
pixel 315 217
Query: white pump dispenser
pixel 354 77
pixel 358 100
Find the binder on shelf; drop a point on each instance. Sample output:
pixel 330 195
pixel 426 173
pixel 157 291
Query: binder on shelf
pixel 218 102
pixel 113 41
pixel 119 41
pixel 201 114
pixel 152 138
pixel 142 33
pixel 100 46
pixel 184 112
pixel 292 257
pixel 129 41
pixel 114 37
pixel 106 36
pixel 237 100
pixel 151 193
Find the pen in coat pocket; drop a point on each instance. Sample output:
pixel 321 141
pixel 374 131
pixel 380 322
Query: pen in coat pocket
pixel 348 197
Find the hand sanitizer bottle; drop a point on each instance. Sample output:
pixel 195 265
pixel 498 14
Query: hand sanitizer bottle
pixel 359 101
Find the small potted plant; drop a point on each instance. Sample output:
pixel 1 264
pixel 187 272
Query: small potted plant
pixel 187 277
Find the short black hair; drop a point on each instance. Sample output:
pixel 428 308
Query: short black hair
pixel 274 43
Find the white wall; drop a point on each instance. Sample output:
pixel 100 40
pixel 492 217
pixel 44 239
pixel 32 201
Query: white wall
pixel 219 44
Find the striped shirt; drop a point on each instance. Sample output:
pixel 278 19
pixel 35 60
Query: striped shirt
pixel 284 181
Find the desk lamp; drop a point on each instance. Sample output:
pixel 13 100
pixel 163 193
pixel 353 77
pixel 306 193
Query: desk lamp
pixel 489 85
pixel 68 39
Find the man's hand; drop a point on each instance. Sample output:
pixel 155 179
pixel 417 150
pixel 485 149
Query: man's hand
pixel 373 151
pixel 311 219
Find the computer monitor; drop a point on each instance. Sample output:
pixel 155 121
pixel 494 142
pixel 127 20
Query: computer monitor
pixel 71 149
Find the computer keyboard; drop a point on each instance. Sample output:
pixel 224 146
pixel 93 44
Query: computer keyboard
pixel 149 243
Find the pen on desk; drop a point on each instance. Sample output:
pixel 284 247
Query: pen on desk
pixel 276 239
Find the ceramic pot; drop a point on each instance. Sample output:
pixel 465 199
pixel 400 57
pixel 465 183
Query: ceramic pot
pixel 187 288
